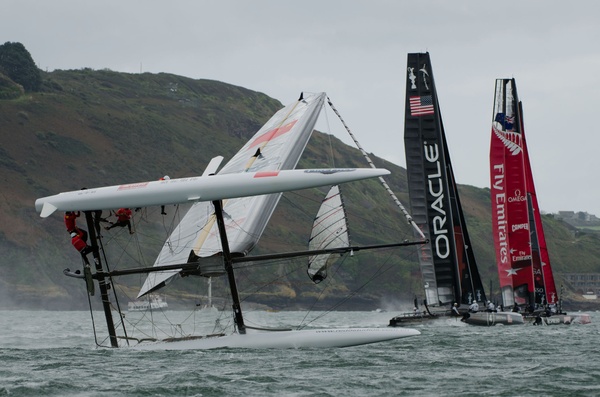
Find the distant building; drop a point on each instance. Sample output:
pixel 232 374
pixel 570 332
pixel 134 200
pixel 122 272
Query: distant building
pixel 583 283
pixel 579 218
pixel 564 215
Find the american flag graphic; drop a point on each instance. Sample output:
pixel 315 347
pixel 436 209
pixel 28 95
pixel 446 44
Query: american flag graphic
pixel 421 105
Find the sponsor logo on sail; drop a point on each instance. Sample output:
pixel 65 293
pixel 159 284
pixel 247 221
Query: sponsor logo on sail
pixel 435 188
pixel 272 134
pixel 520 226
pixel 521 258
pixel 425 76
pixel 412 78
pixel 499 201
pixel 517 197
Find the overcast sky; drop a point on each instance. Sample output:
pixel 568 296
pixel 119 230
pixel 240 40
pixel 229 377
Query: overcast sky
pixel 356 52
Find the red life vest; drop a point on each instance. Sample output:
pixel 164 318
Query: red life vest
pixel 123 214
pixel 78 243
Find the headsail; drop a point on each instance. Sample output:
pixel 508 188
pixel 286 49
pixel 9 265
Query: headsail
pixel 278 145
pixel 330 230
pixel 523 264
pixel 447 263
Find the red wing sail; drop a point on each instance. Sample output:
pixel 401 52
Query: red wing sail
pixel 523 264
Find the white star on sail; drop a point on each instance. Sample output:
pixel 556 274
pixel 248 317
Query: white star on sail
pixel 512 272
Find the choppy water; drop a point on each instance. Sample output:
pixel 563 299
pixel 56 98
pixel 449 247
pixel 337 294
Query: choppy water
pixel 53 354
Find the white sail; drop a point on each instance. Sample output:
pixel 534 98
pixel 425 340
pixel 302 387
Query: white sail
pixel 330 230
pixel 278 145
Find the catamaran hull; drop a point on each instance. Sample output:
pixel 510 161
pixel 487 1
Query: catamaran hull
pixel 581 318
pixel 491 318
pixel 410 318
pixel 560 319
pixel 203 188
pixel 318 338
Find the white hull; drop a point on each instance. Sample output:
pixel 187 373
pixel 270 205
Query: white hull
pixel 561 319
pixel 499 318
pixel 318 338
pixel 204 188
pixel 581 318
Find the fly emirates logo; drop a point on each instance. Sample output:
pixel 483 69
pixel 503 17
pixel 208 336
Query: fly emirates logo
pixel 435 186
pixel 499 201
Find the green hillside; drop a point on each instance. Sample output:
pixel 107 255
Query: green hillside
pixel 88 128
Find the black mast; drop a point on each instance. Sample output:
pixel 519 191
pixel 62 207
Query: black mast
pixel 228 262
pixel 102 279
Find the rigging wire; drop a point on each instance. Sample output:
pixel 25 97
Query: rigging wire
pixel 106 263
pixel 296 268
pixel 329 135
pixel 282 276
pixel 384 183
pixel 378 272
pixel 91 312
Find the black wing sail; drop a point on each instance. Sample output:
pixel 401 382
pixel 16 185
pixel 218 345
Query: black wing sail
pixel 449 273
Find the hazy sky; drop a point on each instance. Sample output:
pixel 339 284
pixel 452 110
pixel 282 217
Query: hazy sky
pixel 356 52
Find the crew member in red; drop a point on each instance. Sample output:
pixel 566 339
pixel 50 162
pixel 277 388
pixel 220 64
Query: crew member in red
pixel 71 224
pixel 79 244
pixel 70 218
pixel 123 219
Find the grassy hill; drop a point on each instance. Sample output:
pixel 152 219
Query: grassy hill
pixel 92 128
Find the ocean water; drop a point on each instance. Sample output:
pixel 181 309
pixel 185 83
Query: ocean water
pixel 50 353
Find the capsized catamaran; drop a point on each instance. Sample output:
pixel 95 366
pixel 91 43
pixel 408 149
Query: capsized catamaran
pixel 524 270
pixel 447 262
pixel 230 211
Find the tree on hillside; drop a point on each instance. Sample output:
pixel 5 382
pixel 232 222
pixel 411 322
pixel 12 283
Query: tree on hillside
pixel 17 64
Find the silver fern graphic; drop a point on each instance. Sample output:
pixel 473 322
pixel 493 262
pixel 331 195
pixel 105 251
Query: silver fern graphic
pixel 512 140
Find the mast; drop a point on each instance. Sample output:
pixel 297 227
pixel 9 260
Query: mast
pixel 102 283
pixel 539 290
pixel 236 305
pixel 546 292
pixel 210 292
pixel 408 217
